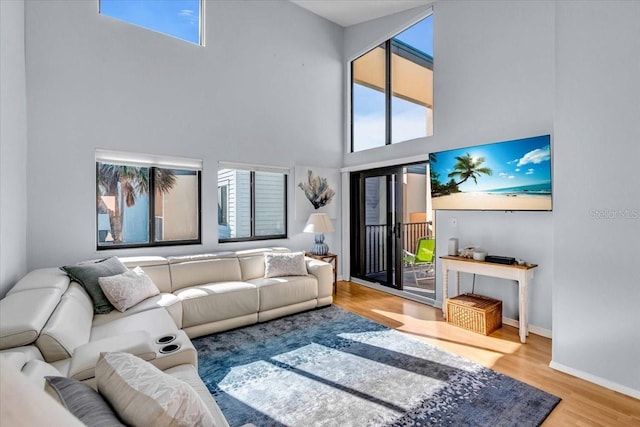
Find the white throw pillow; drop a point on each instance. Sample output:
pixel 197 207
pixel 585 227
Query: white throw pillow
pixel 284 264
pixel 127 289
pixel 143 395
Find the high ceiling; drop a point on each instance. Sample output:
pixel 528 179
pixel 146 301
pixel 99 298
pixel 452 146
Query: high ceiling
pixel 351 12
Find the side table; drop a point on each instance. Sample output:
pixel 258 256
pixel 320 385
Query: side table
pixel 331 259
pixel 522 274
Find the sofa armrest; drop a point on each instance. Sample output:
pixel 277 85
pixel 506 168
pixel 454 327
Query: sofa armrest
pixel 323 271
pixel 182 352
pixel 85 357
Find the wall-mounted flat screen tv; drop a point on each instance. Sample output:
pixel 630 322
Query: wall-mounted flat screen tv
pixel 507 176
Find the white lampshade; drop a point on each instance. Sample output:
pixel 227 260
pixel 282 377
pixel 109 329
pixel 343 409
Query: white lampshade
pixel 319 223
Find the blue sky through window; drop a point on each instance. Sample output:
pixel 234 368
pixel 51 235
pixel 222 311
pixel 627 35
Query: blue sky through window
pixel 177 18
pixel 419 36
pixel 409 119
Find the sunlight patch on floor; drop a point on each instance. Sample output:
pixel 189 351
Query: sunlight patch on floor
pixel 484 349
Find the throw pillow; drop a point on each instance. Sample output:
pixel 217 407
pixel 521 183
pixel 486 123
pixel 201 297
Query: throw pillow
pixel 82 401
pixel 143 395
pixel 87 275
pixel 127 289
pixel 284 264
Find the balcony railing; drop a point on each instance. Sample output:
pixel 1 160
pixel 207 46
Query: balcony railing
pixel 376 242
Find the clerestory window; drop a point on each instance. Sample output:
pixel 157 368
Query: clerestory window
pixel 392 89
pixel 182 19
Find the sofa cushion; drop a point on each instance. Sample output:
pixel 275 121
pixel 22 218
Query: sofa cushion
pixel 34 369
pixel 68 327
pixel 200 257
pixel 217 301
pixel 37 370
pixel 82 401
pixel 24 404
pixel 42 278
pixel 279 292
pixel 189 375
pixel 156 322
pixel 169 302
pixel 128 289
pixel 156 267
pixel 193 273
pixel 85 358
pixel 31 352
pixel 13 359
pixel 87 275
pixel 288 264
pixel 24 314
pixel 141 394
pixel 252 267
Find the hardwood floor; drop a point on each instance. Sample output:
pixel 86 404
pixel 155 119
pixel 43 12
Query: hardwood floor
pixel 583 403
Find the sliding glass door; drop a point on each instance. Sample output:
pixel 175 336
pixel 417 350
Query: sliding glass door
pixel 390 214
pixel 376 229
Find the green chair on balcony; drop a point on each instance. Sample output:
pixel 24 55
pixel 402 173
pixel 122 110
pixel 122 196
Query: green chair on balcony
pixel 422 262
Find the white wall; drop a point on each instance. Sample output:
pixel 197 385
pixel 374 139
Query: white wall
pixel 266 89
pixel 493 81
pixel 13 145
pixel 596 290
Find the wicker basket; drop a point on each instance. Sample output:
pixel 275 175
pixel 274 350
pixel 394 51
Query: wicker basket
pixel 474 312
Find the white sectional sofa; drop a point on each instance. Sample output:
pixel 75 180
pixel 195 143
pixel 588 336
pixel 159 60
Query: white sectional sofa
pixel 47 317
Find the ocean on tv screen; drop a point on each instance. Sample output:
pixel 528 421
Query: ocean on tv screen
pixel 508 175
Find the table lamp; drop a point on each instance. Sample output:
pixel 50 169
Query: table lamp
pixel 319 223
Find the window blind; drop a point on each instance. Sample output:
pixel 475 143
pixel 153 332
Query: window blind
pixel 147 160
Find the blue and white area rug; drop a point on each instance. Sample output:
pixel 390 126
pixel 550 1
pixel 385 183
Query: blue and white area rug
pixel 329 367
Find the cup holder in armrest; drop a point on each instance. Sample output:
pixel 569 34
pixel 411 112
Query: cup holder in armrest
pixel 169 348
pixel 166 339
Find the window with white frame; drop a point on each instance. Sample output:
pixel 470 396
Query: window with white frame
pixel 182 19
pixel 392 89
pixel 146 200
pixel 252 202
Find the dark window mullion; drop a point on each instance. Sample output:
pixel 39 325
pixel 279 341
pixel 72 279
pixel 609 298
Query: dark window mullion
pixel 387 92
pixel 253 203
pixel 351 97
pixel 152 205
pixel 286 207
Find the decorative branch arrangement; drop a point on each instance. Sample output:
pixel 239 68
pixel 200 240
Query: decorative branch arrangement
pixel 317 190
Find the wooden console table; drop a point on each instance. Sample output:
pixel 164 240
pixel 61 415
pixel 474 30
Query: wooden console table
pixel 523 274
pixel 331 259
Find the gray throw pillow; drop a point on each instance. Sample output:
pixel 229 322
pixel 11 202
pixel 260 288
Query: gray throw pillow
pixel 82 401
pixel 87 275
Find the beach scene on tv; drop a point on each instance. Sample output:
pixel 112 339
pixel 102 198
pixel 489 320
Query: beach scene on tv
pixel 510 175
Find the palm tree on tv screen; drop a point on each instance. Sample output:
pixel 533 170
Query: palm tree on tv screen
pixel 125 184
pixel 469 167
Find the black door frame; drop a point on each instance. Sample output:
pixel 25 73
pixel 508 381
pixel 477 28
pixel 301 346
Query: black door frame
pixel 394 276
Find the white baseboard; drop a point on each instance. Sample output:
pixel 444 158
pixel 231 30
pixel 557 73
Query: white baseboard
pixel 596 380
pixel 532 328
